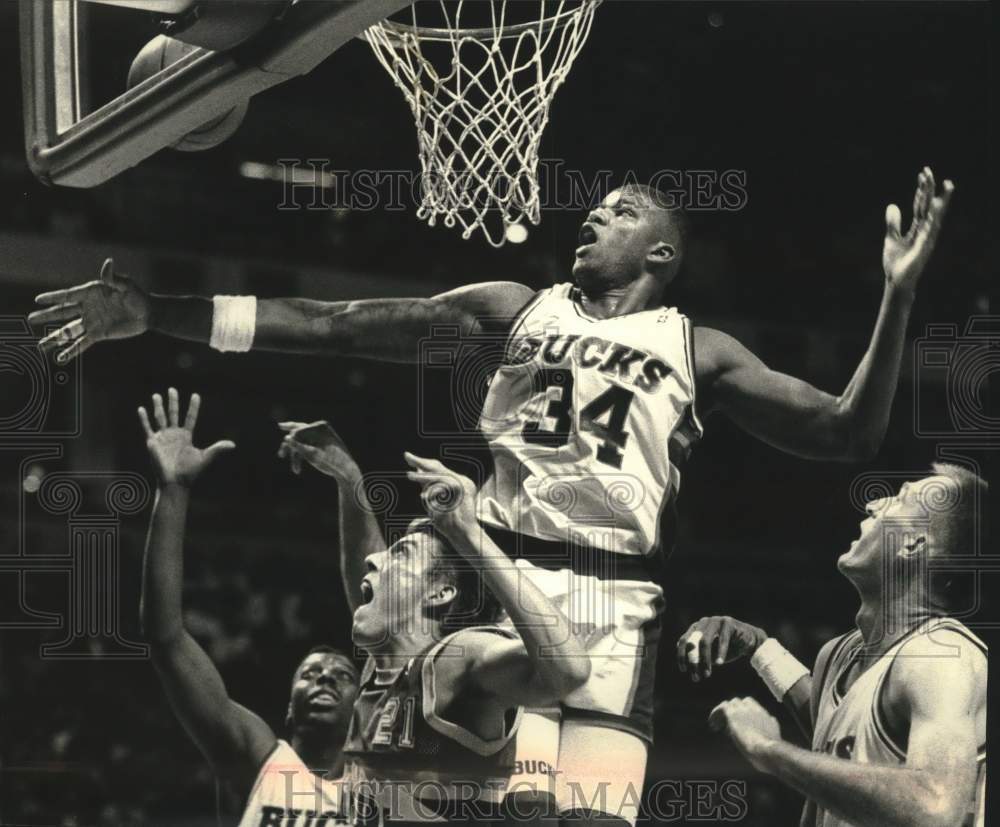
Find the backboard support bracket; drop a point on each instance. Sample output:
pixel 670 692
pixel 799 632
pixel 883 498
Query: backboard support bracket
pixel 69 148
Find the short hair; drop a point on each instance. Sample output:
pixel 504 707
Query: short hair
pixel 474 604
pixel 326 649
pixel 954 532
pixel 679 220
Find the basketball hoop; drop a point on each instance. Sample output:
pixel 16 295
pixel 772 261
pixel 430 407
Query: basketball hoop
pixel 481 98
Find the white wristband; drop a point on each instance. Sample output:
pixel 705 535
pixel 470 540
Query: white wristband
pixel 234 321
pixel 777 667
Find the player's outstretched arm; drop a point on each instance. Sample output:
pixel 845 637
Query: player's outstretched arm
pixel 360 533
pixel 793 415
pixel 548 662
pixel 714 641
pixel 233 739
pixel 115 307
pixel 938 695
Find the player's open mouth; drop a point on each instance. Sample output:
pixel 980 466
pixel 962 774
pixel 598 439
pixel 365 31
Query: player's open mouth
pixel 586 237
pixel 323 698
pixel 367 591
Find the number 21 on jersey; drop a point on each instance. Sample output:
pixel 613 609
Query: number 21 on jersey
pixel 387 721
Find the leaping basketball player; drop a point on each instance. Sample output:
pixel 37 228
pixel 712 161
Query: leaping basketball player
pixel 442 692
pixel 896 709
pixel 278 779
pixel 588 419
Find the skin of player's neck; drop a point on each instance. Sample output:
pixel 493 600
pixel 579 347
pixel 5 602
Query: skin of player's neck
pixel 321 748
pixel 882 625
pixel 606 301
pixel 401 646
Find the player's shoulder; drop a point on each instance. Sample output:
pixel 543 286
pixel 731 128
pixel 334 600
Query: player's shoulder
pixel 473 639
pixel 943 659
pixel 501 299
pixel 448 664
pixel 942 648
pixel 715 350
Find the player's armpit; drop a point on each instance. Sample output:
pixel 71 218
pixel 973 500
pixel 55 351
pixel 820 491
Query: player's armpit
pixel 778 409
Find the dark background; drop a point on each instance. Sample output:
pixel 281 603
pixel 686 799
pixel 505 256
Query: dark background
pixel 829 108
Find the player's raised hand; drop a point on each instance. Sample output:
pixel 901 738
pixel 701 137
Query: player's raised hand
pixel 171 447
pixel 319 445
pixel 715 641
pixel 749 726
pixel 448 498
pixel 113 307
pixel 904 255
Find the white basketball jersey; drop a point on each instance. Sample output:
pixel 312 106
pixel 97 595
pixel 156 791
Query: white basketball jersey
pixel 587 420
pixel 850 725
pixel 287 794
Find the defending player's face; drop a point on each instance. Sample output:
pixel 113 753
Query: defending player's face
pixel 615 239
pixel 395 591
pixel 323 690
pixel 894 525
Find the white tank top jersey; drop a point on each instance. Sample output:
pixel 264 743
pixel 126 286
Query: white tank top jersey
pixel 851 726
pixel 588 421
pixel 287 794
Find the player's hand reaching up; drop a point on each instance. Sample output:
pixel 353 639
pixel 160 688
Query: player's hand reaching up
pixel 905 255
pixel 319 445
pixel 750 727
pixel 111 308
pixel 715 641
pixel 449 498
pixel 175 459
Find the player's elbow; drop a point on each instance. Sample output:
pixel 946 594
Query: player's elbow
pixel 942 805
pixel 864 448
pixel 856 440
pixel 941 814
pixel 157 635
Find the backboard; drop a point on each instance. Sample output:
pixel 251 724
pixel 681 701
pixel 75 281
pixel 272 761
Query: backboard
pixel 240 48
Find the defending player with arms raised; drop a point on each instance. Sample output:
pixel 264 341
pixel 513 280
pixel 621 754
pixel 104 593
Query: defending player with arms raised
pixel 587 420
pixel 896 709
pixel 279 780
pixel 442 692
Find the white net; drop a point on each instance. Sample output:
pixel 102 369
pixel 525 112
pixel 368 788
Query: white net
pixel 481 99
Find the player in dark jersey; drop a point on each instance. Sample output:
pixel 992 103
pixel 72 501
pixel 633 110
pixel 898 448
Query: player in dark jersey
pixel 276 778
pixel 631 249
pixel 443 689
pixel 895 709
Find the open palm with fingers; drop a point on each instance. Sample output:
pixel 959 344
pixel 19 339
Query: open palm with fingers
pixel 113 307
pixel 176 460
pixel 904 255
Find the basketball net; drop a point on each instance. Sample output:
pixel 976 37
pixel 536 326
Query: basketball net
pixel 481 98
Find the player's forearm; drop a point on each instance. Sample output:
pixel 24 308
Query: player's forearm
pixel 560 662
pixel 866 403
pixel 360 532
pixel 384 329
pixel 160 607
pixel 182 317
pixel 797 703
pixel 865 795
